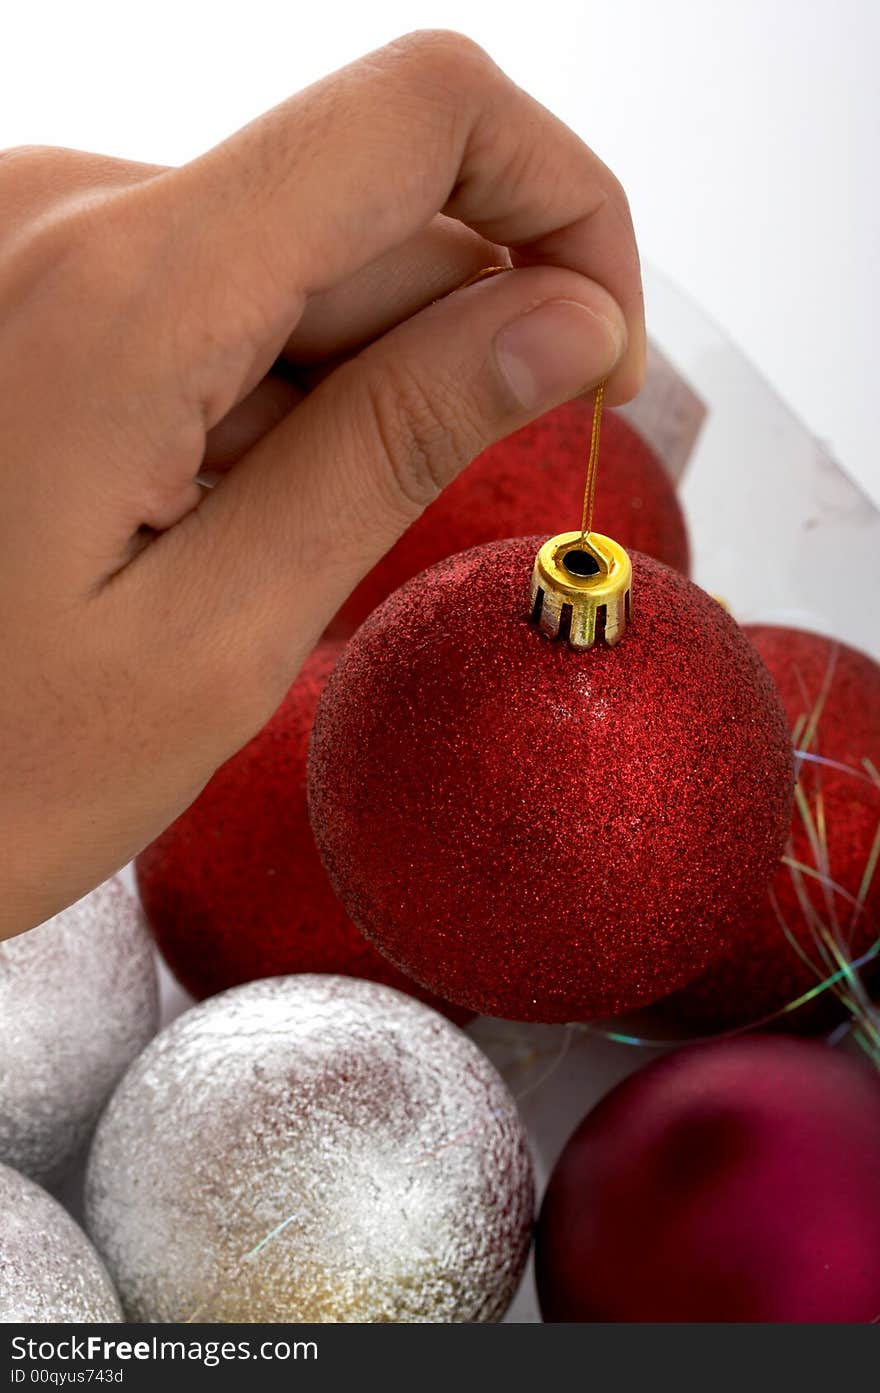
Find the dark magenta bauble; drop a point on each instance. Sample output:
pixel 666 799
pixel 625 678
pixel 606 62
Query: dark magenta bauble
pixel 536 832
pixel 736 1181
pixel 533 481
pixel 234 890
pixel 831 695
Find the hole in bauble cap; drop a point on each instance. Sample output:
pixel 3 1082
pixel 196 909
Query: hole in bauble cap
pixel 580 563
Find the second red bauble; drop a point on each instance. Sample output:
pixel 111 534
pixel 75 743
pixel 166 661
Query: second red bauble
pixel 533 480
pixel 541 833
pixel 234 889
pixel 823 908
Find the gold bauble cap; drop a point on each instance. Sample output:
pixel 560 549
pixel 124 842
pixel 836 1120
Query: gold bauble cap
pixel 582 589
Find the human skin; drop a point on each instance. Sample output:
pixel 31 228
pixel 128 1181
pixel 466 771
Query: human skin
pixel 277 311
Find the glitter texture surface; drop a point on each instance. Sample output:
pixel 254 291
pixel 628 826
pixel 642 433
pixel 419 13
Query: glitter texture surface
pixel 534 480
pixel 234 890
pixel 735 1181
pixel 831 695
pixel 78 1000
pixel 48 1269
pixel 312 1148
pixel 540 833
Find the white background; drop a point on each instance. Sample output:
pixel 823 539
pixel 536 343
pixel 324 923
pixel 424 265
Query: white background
pixel 746 134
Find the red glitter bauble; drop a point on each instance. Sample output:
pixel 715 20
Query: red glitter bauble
pixel 234 890
pixel 543 833
pixel 736 1181
pixel 831 695
pixel 529 482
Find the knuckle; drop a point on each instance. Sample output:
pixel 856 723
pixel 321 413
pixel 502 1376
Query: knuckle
pixel 66 250
pixel 46 201
pixel 421 435
pixel 441 45
pixel 444 55
pixel 439 78
pixel 21 162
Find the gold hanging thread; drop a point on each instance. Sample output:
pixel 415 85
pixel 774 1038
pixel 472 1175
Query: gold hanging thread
pixel 483 275
pixel 581 587
pixel 592 463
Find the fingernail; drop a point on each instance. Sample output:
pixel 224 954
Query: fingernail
pixel 556 351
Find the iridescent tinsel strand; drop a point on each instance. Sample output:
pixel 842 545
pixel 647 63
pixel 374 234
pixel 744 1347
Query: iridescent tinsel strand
pixel 834 966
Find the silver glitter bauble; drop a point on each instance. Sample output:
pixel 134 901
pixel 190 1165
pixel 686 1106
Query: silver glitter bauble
pixel 78 1001
pixel 312 1148
pixel 49 1270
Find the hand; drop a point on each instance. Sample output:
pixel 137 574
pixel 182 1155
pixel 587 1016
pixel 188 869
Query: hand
pixel 271 311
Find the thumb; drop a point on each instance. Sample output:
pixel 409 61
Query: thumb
pixel 270 555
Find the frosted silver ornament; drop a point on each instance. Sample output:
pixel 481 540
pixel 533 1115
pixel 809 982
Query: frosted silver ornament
pixel 49 1270
pixel 78 1001
pixel 312 1148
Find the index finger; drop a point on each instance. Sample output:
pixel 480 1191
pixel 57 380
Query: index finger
pixel 340 173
